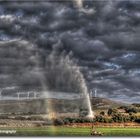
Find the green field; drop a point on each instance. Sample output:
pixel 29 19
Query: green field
pixel 70 131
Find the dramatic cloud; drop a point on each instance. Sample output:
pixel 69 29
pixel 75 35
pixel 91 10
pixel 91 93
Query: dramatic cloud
pixel 103 37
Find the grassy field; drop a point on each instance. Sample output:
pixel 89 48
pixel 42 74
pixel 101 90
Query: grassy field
pixel 70 131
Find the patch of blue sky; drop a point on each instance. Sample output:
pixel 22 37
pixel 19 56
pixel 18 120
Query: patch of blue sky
pixel 129 55
pixel 111 65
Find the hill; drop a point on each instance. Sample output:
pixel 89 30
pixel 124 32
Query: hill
pixel 104 103
pixel 43 106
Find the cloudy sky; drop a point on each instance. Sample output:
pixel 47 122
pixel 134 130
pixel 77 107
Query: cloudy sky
pixel 103 37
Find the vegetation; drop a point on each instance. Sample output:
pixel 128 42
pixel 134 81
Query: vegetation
pixel 58 122
pixel 112 115
pixel 67 121
pixel 102 113
pixel 112 111
pixel 136 105
pixel 119 115
pixel 71 131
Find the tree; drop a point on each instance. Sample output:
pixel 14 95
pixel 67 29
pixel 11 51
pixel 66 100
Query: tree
pixel 133 118
pixel 100 119
pixel 111 111
pixel 136 104
pixel 132 110
pixel 137 120
pixel 102 113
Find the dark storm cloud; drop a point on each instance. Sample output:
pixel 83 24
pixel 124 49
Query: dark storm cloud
pixel 103 37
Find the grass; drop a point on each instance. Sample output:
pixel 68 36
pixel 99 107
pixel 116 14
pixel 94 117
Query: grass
pixel 70 131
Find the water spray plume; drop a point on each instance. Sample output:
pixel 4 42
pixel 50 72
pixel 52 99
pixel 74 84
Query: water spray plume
pixel 66 75
pixel 80 6
pixel 49 109
pixel 79 3
pixel 85 92
pixel 61 73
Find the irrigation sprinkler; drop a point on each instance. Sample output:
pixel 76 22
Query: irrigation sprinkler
pixel 92 123
pixel 94 132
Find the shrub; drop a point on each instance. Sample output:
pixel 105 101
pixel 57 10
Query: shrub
pixel 102 113
pixel 66 121
pixel 136 104
pixel 77 120
pixel 121 118
pixel 99 119
pixel 69 120
pixel 3 123
pixel 107 120
pixel 137 120
pixel 132 110
pixel 133 118
pixel 29 113
pixel 123 107
pixel 88 120
pixel 111 111
pixel 58 122
pixel 110 120
pixel 20 118
pixel 74 121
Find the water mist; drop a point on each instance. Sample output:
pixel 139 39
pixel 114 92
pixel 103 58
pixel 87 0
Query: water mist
pixel 42 79
pixel 63 74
